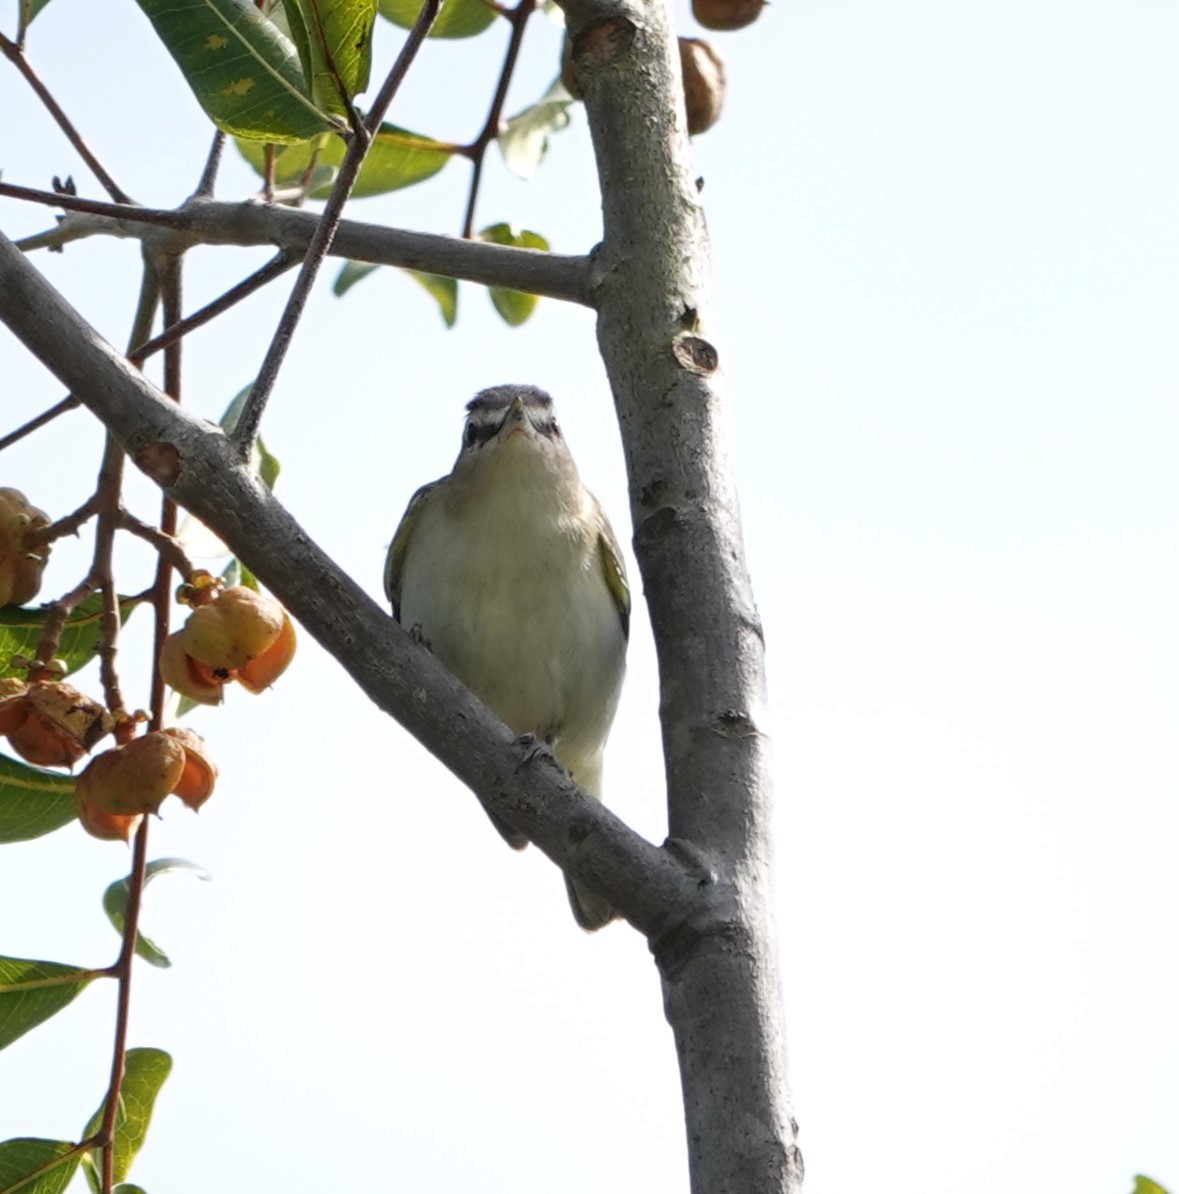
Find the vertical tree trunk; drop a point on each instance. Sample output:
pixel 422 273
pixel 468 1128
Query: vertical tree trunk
pixel 720 973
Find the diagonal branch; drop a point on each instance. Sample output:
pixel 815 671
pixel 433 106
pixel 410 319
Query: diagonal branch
pixel 477 150
pixel 197 466
pixel 15 54
pixel 245 431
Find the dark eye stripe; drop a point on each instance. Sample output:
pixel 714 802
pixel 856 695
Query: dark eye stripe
pixel 477 434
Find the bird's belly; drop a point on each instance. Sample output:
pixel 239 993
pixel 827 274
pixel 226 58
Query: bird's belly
pixel 533 632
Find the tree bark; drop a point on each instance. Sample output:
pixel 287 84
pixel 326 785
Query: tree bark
pixel 720 972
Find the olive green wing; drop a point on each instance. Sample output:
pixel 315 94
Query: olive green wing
pixel 614 570
pixel 395 560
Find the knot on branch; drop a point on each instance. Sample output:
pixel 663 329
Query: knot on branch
pixel 602 43
pixel 161 461
pixel 711 919
pixel 696 355
pixel 733 723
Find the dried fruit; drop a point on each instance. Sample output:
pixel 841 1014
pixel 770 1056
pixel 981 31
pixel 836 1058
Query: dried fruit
pixel 199 777
pixel 21 566
pixel 236 628
pixel 188 677
pixel 242 635
pixel 121 784
pixel 704 83
pixel 108 827
pixel 131 779
pixel 50 723
pixel 260 673
pixel 727 14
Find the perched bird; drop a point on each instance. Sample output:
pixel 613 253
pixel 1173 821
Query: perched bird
pixel 507 569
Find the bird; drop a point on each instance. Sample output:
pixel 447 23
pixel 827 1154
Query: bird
pixel 508 570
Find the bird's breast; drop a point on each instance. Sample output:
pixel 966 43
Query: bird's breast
pixel 512 598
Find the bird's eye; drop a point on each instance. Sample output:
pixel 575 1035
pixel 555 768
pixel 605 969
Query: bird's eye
pixel 556 429
pixel 471 434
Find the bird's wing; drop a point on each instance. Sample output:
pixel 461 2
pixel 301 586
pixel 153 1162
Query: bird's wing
pixel 614 571
pixel 395 560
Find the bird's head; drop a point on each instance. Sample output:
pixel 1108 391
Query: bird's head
pixel 510 418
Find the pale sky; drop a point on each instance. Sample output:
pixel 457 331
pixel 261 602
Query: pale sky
pixel 947 279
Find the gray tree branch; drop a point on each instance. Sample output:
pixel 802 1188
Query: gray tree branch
pixel 722 993
pixel 210 222
pixel 195 465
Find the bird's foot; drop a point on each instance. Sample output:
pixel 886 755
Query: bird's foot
pixel 533 747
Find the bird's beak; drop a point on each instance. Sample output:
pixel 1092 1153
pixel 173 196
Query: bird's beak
pixel 517 422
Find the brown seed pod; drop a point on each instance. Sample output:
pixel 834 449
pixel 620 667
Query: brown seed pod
pixel 194 680
pixel 21 566
pixel 199 777
pixel 240 625
pixel 52 724
pixel 727 14
pixel 704 83
pixel 108 827
pixel 259 674
pixel 132 779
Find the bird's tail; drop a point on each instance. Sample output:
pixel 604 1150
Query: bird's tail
pixel 590 910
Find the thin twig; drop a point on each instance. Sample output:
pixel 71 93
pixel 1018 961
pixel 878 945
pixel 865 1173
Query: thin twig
pixel 30 1179
pixel 269 158
pixel 105 1136
pixel 13 52
pixel 477 150
pixel 119 211
pixel 161 591
pixel 57 613
pixel 246 430
pixel 160 278
pixel 70 525
pixel 166 545
pixel 208 177
pixel 274 268
pixel 60 408
pixel 108 497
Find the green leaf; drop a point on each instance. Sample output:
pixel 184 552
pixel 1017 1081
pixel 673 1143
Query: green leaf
pixel 114 903
pixel 20 631
pixel 525 139
pixel 143 1075
pixel 396 159
pixel 350 273
pixel 242 70
pixel 514 306
pixel 265 463
pixel 456 18
pixel 31 992
pixel 128 1188
pixel 335 47
pixel 29 9
pixel 33 802
pixel 1146 1185
pixel 21 1158
pixel 236 573
pixel 444 291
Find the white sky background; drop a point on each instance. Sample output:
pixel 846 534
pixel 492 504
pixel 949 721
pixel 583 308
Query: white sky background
pixel 947 281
